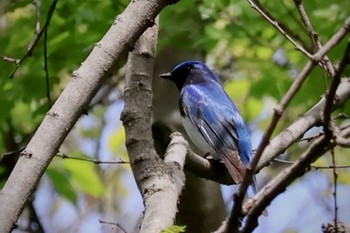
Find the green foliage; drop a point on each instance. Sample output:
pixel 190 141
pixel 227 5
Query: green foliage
pixel 74 29
pixel 231 36
pixel 116 143
pixel 174 229
pixel 84 175
pixel 71 176
pixel 61 182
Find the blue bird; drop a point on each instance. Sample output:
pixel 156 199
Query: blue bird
pixel 211 119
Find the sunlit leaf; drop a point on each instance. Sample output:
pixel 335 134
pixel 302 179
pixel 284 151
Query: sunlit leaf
pixel 84 175
pixel 62 183
pixel 174 229
pixel 116 143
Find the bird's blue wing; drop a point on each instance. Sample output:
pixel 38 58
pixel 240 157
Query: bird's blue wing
pixel 217 119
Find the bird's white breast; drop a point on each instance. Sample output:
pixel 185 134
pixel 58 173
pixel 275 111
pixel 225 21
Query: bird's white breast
pixel 196 137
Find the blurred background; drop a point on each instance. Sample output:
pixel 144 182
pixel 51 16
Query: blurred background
pixel 256 65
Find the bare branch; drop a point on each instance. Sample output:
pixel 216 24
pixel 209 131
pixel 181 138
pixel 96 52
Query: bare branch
pixel 34 41
pixel 334 40
pixel 297 129
pixel 331 167
pixel 95 161
pixel 46 68
pixel 279 26
pixel 37 4
pixel 113 223
pixel 330 95
pixel 335 184
pixel 278 112
pixel 312 166
pixel 160 182
pixel 11 153
pixel 276 186
pixel 74 99
pixel 314 36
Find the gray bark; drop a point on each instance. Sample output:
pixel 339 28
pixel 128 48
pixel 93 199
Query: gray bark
pixel 60 119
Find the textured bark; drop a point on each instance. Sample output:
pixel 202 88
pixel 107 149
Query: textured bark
pixel 85 82
pixel 160 182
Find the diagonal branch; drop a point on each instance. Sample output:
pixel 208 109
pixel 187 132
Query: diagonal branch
pixel 314 35
pixel 330 95
pixel 255 4
pixel 264 197
pixel 317 148
pixel 34 41
pixel 296 130
pixel 72 102
pixel 236 213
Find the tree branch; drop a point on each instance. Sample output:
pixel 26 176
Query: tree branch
pixel 35 40
pixel 319 147
pixel 314 36
pixel 74 99
pixel 236 212
pixel 276 186
pixel 160 182
pixel 95 161
pixel 255 4
pixel 330 95
pixel 297 129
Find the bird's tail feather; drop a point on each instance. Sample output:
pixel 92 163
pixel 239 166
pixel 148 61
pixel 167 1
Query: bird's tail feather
pixel 252 190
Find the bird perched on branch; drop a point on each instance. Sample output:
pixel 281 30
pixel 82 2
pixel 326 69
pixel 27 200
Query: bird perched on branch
pixel 211 119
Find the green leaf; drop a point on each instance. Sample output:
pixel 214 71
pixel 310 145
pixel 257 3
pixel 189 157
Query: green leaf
pixel 61 182
pixel 116 143
pixel 84 175
pixel 252 108
pixel 237 89
pixel 174 229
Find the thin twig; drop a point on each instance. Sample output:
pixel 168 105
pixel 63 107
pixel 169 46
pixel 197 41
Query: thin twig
pixel 330 95
pixel 278 112
pixel 335 200
pixel 37 4
pixel 46 68
pixel 34 220
pixel 312 166
pixel 236 213
pixel 285 178
pixel 280 27
pixel 331 167
pixel 313 117
pixel 314 36
pixel 310 138
pixel 33 42
pixel 11 153
pixel 335 39
pixel 290 11
pixel 96 161
pixel 113 223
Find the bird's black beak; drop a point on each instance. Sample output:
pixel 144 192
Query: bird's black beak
pixel 166 75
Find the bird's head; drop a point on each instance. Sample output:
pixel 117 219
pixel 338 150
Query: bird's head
pixel 187 71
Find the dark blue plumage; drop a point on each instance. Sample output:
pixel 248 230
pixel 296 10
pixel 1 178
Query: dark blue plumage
pixel 211 119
